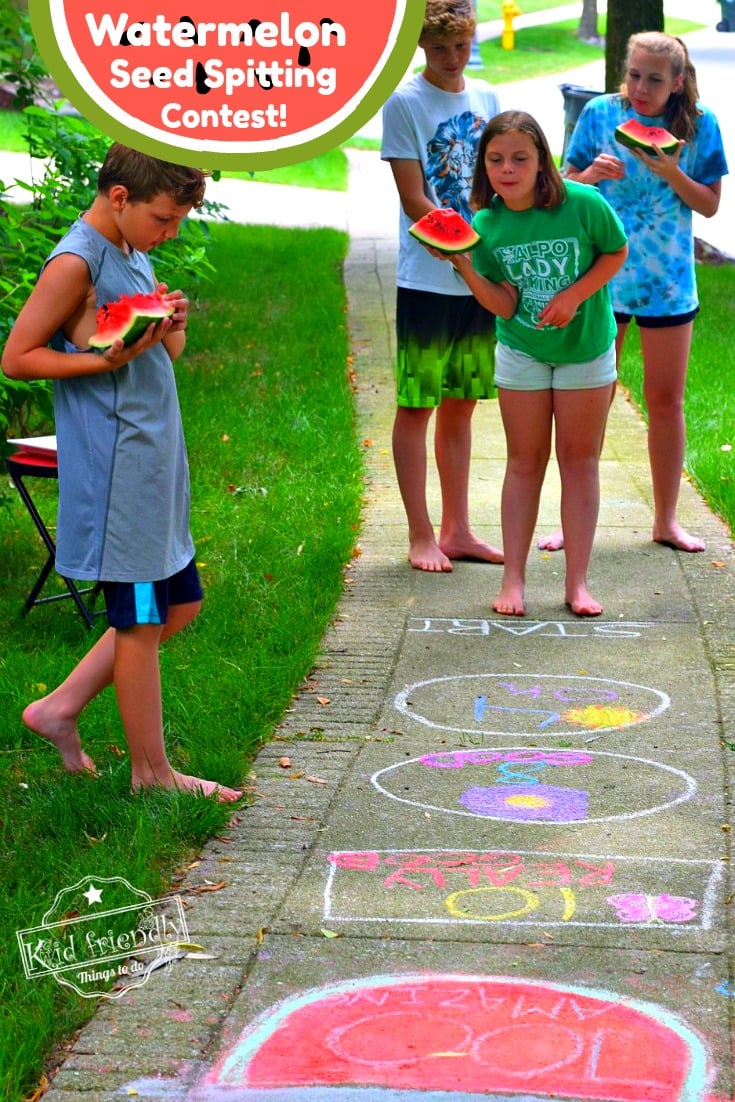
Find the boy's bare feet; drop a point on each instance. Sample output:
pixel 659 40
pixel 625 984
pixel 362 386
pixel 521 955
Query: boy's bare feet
pixel 182 782
pixel 581 603
pixel 42 717
pixel 678 539
pixel 471 549
pixel 553 542
pixel 427 555
pixel 509 602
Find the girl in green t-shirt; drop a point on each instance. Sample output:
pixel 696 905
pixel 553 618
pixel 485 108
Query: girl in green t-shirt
pixel 547 249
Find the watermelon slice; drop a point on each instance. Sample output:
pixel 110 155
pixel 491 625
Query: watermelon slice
pixel 636 135
pixel 128 318
pixel 446 230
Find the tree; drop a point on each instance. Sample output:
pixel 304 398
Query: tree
pixel 587 30
pixel 624 18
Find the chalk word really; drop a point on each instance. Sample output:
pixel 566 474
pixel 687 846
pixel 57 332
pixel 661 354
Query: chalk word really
pixel 520 887
pixel 508 784
pixel 529 705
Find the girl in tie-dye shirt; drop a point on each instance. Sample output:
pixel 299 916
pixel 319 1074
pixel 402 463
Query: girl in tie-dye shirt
pixel 654 196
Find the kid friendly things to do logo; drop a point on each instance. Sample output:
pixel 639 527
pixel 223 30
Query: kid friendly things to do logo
pixel 254 89
pixel 102 931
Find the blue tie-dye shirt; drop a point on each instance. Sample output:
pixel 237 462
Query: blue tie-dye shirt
pixel 658 278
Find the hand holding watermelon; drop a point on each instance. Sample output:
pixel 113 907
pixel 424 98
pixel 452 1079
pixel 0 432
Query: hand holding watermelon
pixel 180 306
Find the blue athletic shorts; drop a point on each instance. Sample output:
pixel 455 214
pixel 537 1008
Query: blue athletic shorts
pixel 131 603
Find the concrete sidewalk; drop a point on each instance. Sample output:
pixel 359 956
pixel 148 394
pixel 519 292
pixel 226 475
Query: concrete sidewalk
pixel 497 865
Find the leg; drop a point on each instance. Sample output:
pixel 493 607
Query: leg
pixel 554 541
pixel 409 456
pixel 580 417
pixel 137 682
pixel 665 362
pixel 55 716
pixel 527 423
pixel 453 448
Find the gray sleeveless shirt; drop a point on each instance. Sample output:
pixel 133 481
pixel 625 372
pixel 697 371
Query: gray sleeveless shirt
pixel 123 470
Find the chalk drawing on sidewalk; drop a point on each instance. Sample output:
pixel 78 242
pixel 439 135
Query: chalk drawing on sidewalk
pixel 513 784
pixel 521 629
pixel 529 705
pixel 520 888
pixel 464 1034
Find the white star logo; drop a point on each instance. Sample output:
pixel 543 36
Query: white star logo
pixel 93 895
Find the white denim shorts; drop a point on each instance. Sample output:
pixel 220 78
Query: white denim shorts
pixel 516 371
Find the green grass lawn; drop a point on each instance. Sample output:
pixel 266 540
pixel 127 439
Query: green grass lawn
pixel 268 411
pixel 546 49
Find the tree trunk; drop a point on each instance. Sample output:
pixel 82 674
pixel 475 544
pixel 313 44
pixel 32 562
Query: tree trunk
pixel 624 18
pixel 587 29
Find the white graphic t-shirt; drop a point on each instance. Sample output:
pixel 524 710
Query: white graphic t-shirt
pixel 441 130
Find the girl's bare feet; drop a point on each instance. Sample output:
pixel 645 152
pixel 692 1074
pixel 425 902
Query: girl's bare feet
pixel 553 542
pixel 427 555
pixel 182 782
pixel 581 603
pixel 677 538
pixel 471 549
pixel 42 717
pixel 509 602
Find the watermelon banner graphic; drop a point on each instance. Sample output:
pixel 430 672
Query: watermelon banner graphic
pixel 232 88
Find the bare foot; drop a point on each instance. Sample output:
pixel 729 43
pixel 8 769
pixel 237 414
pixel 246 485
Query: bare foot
pixel 678 539
pixel 553 542
pixel 196 785
pixel 427 555
pixel 471 549
pixel 509 602
pixel 581 603
pixel 42 717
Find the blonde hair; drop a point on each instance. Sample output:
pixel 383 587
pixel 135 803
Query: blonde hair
pixel 448 19
pixel 681 111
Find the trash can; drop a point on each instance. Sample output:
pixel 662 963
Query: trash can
pixel 575 97
pixel 727 23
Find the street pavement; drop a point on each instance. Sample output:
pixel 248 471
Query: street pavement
pixel 482 858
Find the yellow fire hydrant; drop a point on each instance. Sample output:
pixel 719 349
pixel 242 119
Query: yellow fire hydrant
pixel 510 11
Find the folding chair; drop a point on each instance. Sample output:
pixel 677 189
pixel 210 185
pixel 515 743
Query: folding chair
pixel 30 462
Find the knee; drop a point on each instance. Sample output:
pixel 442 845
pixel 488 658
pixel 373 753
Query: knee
pixel 529 465
pixel 178 618
pixel 664 403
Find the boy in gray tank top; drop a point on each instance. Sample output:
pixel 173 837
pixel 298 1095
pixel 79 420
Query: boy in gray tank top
pixel 123 472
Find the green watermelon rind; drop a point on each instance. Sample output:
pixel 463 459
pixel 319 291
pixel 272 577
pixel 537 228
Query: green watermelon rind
pixel 629 140
pixel 131 333
pixel 469 241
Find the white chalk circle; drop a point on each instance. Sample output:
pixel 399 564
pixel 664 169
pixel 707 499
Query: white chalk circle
pixel 529 705
pixel 512 784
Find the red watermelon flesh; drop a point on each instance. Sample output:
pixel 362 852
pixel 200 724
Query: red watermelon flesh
pixel 128 318
pixel 636 135
pixel 446 230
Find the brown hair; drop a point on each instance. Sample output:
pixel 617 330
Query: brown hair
pixel 448 19
pixel 550 189
pixel 681 110
pixel 146 177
